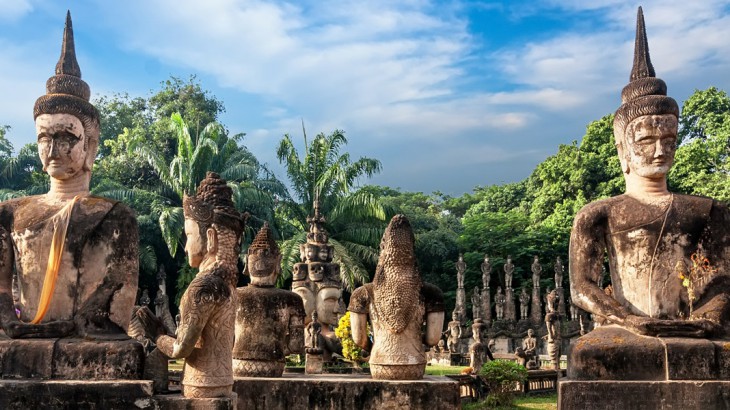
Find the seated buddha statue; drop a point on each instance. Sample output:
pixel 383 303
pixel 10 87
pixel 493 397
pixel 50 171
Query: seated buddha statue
pixel 650 236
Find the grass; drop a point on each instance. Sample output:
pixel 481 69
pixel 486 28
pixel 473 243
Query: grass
pixel 438 370
pixel 549 402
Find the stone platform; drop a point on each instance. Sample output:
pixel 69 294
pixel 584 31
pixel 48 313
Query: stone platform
pixel 320 392
pixel 644 395
pixel 106 395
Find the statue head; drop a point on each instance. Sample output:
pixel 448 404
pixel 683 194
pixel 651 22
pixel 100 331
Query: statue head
pixel 524 291
pixel 455 316
pixel 509 259
pixel 486 258
pixel 645 125
pixel 530 333
pixel 499 289
pixel 67 125
pixel 213 226
pixel 461 257
pixel 263 258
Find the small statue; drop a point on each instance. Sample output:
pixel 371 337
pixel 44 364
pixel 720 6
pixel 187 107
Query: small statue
pixel 509 269
pixel 460 269
pixel 559 269
pixel 536 271
pixel 205 336
pixel 398 303
pixel 162 301
pixel 527 354
pixel 453 333
pixel 478 351
pixel 573 311
pixel 499 301
pixel 486 272
pixel 312 333
pixel 552 321
pixel 476 304
pixel 524 304
pixel 145 300
pixel 269 321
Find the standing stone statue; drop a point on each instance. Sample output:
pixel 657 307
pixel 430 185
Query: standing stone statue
pixel 478 351
pixel 145 300
pixel 205 336
pixel 573 312
pixel 536 316
pixel 486 268
pixel 96 238
pixel 162 301
pixel 316 279
pixel 453 333
pixel 476 304
pixel 499 301
pixel 527 354
pixel 398 303
pixel 559 270
pixel 524 304
pixel 313 332
pixel 269 321
pixel 552 321
pixel 460 269
pixel 646 232
pixel 509 269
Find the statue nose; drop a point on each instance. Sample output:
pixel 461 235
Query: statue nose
pixel 659 152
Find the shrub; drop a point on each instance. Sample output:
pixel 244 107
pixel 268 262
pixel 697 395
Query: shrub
pixel 350 350
pixel 502 378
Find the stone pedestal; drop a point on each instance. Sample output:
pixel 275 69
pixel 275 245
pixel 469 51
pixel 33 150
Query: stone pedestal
pixel 536 316
pixel 460 307
pixel 320 392
pixel 313 363
pixel 487 305
pixel 509 305
pixel 611 367
pixel 71 359
pixel 561 300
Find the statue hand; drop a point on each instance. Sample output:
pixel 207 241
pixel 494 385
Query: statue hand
pixel 56 329
pixel 153 326
pixel 671 328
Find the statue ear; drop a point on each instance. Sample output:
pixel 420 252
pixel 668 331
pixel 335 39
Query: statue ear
pixel 212 240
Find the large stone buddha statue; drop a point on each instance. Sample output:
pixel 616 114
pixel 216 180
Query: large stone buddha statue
pixel 75 254
pixel 650 236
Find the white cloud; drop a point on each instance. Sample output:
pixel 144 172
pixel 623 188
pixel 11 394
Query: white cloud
pixel 11 10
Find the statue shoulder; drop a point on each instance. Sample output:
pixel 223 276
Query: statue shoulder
pixel 433 298
pixel 208 289
pixel 597 212
pixel 360 299
pixel 8 209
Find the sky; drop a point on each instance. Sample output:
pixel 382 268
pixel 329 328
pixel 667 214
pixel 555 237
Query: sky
pixel 448 95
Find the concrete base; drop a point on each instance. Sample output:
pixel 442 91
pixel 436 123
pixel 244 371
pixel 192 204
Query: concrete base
pixel 313 364
pixel 644 395
pixel 107 394
pixel 320 392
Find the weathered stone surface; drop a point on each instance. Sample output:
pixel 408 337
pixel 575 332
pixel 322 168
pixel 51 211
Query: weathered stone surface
pixel 67 394
pixel 300 392
pixel 70 359
pixel 178 402
pixel 647 395
pixel 691 359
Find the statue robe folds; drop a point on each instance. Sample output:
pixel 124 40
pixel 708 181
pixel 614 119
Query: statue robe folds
pixel 97 280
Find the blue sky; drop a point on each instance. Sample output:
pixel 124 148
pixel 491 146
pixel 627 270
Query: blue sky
pixel 447 94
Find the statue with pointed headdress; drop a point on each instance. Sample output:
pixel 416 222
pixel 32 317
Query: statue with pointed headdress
pixel 205 335
pixel 269 321
pixel 649 235
pixel 76 255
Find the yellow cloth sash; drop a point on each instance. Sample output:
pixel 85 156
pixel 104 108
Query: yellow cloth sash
pixel 54 259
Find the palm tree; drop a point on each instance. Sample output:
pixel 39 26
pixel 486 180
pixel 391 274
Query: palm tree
pixel 356 218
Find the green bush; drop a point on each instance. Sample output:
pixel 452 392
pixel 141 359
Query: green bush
pixel 502 377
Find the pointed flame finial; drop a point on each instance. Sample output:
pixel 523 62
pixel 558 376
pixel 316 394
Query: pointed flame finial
pixel 67 63
pixel 642 62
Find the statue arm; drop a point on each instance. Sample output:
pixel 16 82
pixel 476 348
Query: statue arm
pixel 587 249
pixel 188 333
pixel 434 303
pixel 359 304
pixel 434 324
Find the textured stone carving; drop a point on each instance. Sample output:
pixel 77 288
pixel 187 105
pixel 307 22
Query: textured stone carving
pixel 316 279
pixel 453 333
pixel 398 303
pixel 460 305
pixel 486 268
pixel 509 270
pixel 536 316
pixel 92 266
pixel 499 301
pixel 648 230
pixel 552 321
pixel 208 307
pixel 269 321
pixel 527 354
pixel 559 270
pixel 162 301
pixel 478 351
pixel 536 271
pixel 524 304
pixel 476 304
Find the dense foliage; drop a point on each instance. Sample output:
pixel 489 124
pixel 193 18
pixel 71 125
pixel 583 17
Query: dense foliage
pixel 502 378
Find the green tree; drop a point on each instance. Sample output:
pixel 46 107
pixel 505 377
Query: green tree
pixel 355 217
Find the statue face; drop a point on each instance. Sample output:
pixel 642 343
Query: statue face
pixel 651 141
pixel 308 298
pixel 263 267
pixel 195 246
pixel 61 145
pixel 530 332
pixel 328 305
